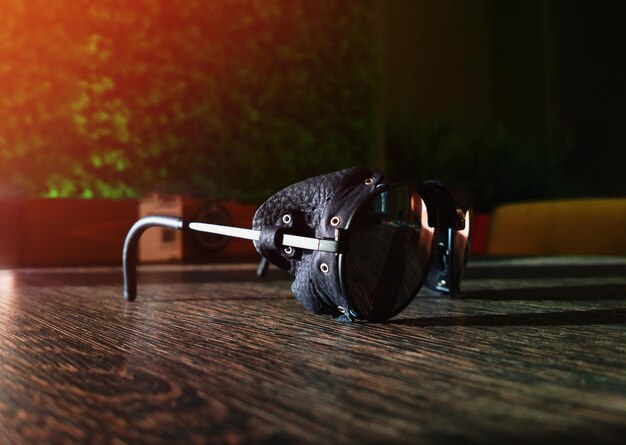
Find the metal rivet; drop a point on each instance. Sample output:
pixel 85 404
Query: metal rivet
pixel 369 181
pixel 341 309
pixel 288 250
pixel 324 267
pixel 335 221
pixel 287 218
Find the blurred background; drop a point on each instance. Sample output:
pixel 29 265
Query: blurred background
pixel 235 99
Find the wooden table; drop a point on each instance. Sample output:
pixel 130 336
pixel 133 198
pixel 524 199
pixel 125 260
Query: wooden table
pixel 535 350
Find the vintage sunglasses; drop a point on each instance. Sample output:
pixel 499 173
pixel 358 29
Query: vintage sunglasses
pixel 360 248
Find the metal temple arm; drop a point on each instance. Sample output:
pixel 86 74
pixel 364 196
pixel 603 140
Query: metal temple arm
pixel 301 242
pixel 129 254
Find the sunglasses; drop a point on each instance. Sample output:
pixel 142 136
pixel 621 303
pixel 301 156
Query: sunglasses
pixel 359 248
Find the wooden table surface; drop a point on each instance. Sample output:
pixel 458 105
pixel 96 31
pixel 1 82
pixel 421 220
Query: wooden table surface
pixel 534 351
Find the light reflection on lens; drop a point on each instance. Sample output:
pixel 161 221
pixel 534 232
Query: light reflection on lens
pixel 461 248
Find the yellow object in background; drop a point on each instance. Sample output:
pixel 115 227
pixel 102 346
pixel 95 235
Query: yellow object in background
pixel 567 227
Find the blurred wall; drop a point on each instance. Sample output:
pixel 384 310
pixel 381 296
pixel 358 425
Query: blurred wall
pixel 437 56
pixel 548 72
pixel 477 56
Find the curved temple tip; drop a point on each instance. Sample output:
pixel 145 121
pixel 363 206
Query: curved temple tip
pixel 129 254
pixel 128 295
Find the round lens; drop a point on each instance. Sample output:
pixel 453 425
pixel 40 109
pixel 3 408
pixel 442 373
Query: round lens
pixel 390 249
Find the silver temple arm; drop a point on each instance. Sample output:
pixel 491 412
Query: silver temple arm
pixel 304 242
pixel 131 243
pixel 236 232
pixel 301 242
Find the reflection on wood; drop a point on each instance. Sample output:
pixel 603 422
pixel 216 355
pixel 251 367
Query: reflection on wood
pixel 208 354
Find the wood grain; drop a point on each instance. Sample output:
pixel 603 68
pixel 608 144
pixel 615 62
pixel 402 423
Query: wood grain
pixel 209 354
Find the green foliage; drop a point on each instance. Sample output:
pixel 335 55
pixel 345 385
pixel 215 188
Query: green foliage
pixel 230 98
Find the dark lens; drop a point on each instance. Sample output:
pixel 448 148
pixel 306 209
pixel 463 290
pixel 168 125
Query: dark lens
pixel 390 249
